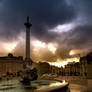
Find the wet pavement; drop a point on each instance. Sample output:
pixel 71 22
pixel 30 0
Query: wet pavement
pixel 79 88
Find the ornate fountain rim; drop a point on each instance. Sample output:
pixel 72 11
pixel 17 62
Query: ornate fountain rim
pixel 54 88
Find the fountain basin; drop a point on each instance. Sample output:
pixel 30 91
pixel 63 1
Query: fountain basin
pixel 36 86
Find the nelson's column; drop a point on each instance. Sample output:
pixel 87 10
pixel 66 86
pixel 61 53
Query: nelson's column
pixel 28 25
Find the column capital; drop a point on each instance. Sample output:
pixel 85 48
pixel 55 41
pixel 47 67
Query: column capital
pixel 28 24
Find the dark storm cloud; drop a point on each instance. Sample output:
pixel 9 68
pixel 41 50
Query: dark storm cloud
pixel 1 0
pixel 84 7
pixel 44 14
pixel 79 38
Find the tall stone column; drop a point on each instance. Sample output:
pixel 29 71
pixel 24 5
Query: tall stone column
pixel 28 25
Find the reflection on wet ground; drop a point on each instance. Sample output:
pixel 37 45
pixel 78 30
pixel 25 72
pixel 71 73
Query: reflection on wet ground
pixel 79 88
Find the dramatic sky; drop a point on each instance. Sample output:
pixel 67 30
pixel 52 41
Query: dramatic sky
pixel 61 29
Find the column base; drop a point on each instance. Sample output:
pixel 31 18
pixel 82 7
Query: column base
pixel 28 61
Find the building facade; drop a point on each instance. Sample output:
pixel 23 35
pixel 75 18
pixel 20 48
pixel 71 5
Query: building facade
pixel 86 66
pixel 10 64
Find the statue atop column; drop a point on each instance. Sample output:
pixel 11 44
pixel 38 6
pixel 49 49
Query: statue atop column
pixel 28 25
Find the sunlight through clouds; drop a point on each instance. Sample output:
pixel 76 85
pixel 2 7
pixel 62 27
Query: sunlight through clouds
pixel 9 47
pixel 62 63
pixel 63 28
pixel 52 48
pixel 38 44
